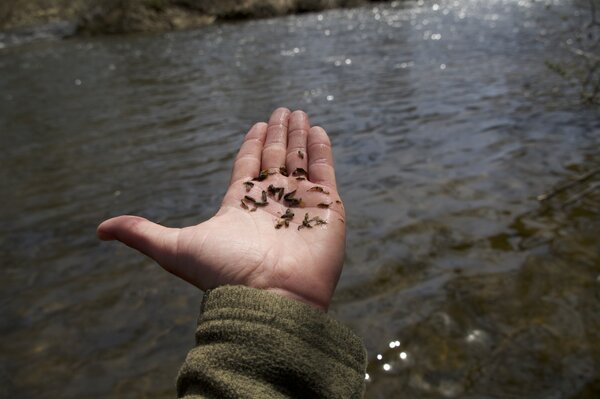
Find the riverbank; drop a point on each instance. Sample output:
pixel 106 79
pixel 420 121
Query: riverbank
pixel 121 16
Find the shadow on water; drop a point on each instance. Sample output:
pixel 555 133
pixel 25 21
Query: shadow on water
pixel 447 126
pixel 492 335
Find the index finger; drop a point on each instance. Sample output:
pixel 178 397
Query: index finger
pixel 247 162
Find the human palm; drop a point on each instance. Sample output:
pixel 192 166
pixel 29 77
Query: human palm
pixel 252 243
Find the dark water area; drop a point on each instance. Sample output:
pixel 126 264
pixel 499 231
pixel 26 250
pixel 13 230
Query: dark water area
pixel 446 125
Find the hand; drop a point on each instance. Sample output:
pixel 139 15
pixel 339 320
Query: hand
pixel 243 246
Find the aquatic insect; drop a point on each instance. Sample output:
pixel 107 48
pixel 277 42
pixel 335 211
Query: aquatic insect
pixel 324 205
pixel 282 222
pixel 285 219
pixel 299 172
pixel 318 189
pixel 300 154
pixel 306 223
pixel 289 197
pixel 248 185
pixel 275 191
pixel 288 215
pixel 318 220
pixel 245 206
pixel 262 175
pixel 255 202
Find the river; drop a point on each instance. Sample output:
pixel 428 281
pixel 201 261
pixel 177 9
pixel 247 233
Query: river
pixel 446 123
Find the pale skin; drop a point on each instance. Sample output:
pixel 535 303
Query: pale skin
pixel 238 246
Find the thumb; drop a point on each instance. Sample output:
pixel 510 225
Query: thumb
pixel 154 240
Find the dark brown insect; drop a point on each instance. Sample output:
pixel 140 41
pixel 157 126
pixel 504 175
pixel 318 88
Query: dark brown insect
pixel 289 197
pixel 318 221
pixel 262 175
pixel 305 222
pixel 248 185
pixel 264 196
pixel 299 172
pixel 318 189
pixel 255 202
pixel 282 222
pixel 288 215
pixel 301 178
pixel 243 205
pixel 275 191
pixel 300 154
pixel 283 170
pixel 324 205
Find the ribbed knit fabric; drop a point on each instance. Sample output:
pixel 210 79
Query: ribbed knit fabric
pixel 253 343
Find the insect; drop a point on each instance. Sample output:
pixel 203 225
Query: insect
pixel 318 220
pixel 301 178
pixel 245 206
pixel 289 197
pixel 262 175
pixel 248 185
pixel 275 191
pixel 300 154
pixel 324 205
pixel 282 222
pixel 255 202
pixel 285 219
pixel 299 172
pixel 288 215
pixel 318 189
pixel 283 170
pixel 306 223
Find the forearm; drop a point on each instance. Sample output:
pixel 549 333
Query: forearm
pixel 256 344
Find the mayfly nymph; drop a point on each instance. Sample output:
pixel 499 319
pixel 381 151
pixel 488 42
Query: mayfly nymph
pixel 318 189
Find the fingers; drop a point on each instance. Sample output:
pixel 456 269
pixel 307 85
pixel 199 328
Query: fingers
pixel 274 151
pixel 320 157
pixel 248 160
pixel 297 136
pixel 158 242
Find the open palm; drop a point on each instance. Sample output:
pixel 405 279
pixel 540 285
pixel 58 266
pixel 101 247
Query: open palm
pixel 253 239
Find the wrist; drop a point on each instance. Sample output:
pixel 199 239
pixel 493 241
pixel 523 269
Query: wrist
pixel 291 295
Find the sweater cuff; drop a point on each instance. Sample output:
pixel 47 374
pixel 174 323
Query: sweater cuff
pixel 255 343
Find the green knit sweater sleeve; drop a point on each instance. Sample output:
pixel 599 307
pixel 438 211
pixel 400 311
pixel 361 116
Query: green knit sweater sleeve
pixel 253 343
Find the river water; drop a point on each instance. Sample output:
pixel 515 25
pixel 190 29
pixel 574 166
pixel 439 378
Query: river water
pixel 446 125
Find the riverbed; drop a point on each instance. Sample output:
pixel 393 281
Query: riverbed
pixel 447 125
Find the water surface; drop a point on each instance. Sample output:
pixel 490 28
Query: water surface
pixel 446 125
